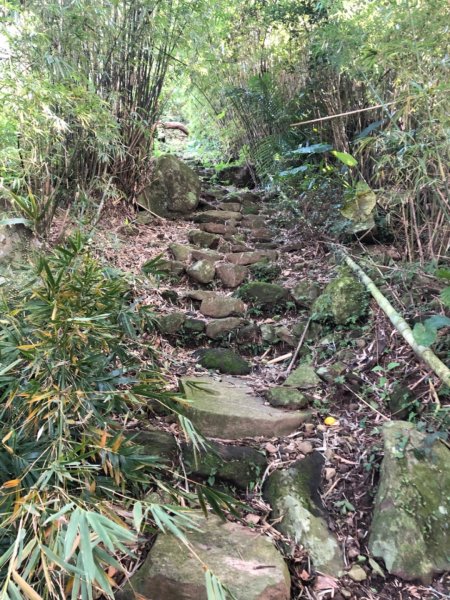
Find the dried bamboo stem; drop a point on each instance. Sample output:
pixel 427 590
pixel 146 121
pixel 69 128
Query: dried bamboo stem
pixel 427 355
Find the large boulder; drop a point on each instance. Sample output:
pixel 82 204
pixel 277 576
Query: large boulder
pixel 244 561
pixel 174 188
pixel 411 527
pixel 294 497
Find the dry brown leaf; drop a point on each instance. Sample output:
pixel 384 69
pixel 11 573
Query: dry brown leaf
pixel 325 582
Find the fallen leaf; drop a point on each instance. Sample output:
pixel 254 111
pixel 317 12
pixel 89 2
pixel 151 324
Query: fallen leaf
pixel 376 568
pixel 325 582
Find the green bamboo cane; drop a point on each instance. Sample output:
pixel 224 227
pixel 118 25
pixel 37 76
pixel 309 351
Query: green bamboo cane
pixel 427 355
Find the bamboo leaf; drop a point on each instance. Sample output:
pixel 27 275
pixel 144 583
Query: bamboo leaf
pixel 25 587
pixel 346 159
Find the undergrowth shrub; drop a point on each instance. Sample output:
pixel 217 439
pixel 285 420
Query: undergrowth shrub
pixel 73 482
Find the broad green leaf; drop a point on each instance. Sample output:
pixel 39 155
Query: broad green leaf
pixel 293 171
pixel 437 322
pixel 369 129
pixel 445 296
pixel 86 550
pixel 137 515
pixel 359 205
pixel 443 273
pixel 425 336
pixel 345 158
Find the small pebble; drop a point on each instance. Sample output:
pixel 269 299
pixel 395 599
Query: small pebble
pixel 309 428
pixel 271 449
pixel 345 593
pixel 357 573
pixel 329 473
pixel 305 447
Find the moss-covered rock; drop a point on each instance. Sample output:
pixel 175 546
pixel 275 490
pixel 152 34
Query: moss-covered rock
pixel 344 300
pixel 175 187
pixel 262 293
pixel 172 323
pixel 264 271
pixel 181 252
pixel 303 377
pixel 288 397
pixel 202 271
pixel 241 466
pixel 194 326
pixel 224 361
pixel 305 293
pixel 294 497
pixel 203 238
pixel 221 306
pixel 219 328
pixel 411 525
pixel 171 267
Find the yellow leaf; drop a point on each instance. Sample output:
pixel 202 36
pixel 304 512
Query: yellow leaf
pixel 7 436
pixel 330 421
pixel 26 587
pixel 11 483
pixel 117 443
pixel 103 439
pixel 29 346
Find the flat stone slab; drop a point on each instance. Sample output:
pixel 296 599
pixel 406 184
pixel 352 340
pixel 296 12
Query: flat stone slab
pixel 247 258
pixel 217 216
pixel 229 409
pixel 244 561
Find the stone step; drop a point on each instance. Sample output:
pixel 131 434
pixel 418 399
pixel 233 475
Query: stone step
pixel 217 216
pixel 250 258
pixel 229 409
pixel 246 562
pixel 233 206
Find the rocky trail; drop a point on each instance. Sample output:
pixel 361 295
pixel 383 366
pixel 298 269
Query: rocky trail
pixel 270 343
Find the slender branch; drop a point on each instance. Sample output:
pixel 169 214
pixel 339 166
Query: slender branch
pixel 344 114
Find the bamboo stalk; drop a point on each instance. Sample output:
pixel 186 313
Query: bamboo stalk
pixel 426 354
